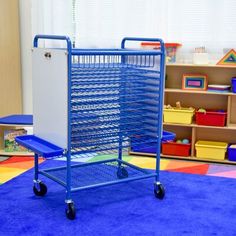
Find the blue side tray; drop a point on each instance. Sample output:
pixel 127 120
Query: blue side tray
pixel 39 146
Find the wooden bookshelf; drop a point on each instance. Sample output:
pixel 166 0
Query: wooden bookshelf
pixel 171 90
pixel 217 74
pixel 202 66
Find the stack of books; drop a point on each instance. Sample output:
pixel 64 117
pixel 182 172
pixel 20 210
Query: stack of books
pixel 10 144
pixel 218 88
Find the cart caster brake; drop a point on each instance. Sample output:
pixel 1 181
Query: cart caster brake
pixel 159 191
pixel 70 211
pixel 122 173
pixel 40 190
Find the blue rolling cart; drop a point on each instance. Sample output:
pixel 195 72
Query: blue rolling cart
pixel 95 101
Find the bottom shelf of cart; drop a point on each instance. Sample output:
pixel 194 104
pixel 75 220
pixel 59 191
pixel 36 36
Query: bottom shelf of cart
pixel 97 174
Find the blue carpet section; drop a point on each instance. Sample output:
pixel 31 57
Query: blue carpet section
pixel 194 205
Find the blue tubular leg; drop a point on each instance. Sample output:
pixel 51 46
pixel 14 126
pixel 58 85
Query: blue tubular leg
pixel 122 100
pixel 68 178
pixel 68 153
pixel 36 172
pixel 36 167
pixel 160 111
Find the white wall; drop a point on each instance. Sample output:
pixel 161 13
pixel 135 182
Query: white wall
pixel 39 17
pixel 26 62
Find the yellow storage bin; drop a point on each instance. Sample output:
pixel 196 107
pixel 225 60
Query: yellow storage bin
pixel 211 150
pixel 178 115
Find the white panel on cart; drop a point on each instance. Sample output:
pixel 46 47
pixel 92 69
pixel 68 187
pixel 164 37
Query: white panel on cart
pixel 50 77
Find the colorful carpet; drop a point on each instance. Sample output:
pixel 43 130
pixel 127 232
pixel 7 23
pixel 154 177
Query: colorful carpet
pixel 14 166
pixel 194 205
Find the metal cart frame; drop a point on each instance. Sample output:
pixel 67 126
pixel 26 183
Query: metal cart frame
pixel 140 71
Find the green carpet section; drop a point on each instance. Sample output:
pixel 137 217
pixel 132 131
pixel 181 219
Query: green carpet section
pixel 105 157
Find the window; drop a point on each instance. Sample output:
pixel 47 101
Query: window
pixel 103 23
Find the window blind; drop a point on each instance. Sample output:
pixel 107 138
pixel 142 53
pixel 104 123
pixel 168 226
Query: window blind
pixel 103 23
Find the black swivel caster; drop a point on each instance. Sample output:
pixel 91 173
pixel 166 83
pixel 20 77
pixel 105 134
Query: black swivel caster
pixel 70 211
pixel 40 190
pixel 122 173
pixel 159 191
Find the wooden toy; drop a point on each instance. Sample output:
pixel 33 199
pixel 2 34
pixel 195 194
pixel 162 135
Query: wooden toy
pixel 178 105
pixel 228 59
pixel 194 82
pixel 169 106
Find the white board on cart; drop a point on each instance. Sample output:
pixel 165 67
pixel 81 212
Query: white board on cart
pixel 50 89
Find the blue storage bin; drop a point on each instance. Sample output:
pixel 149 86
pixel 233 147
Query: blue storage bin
pixel 232 152
pixel 233 82
pixel 149 146
pixel 168 136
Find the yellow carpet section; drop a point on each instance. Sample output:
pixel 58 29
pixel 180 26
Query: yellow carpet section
pixel 9 173
pixel 148 163
pixel 14 166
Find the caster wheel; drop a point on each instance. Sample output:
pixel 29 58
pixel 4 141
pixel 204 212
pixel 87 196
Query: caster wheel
pixel 42 189
pixel 122 173
pixel 159 191
pixel 70 211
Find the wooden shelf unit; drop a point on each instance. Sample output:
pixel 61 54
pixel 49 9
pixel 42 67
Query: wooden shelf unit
pixel 217 74
pixel 171 90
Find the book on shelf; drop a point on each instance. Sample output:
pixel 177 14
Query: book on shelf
pixel 218 88
pixel 10 145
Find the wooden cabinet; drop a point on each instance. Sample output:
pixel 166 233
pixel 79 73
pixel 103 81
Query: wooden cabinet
pixel 10 72
pixel 201 99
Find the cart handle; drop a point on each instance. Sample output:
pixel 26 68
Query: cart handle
pixel 52 37
pixel 143 39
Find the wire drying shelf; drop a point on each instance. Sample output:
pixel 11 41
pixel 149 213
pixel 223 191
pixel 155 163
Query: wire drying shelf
pixel 110 104
pixel 89 175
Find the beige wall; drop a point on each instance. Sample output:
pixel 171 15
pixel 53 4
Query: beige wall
pixel 10 68
pixel 26 45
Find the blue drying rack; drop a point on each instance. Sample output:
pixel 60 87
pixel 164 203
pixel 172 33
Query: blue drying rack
pixel 113 96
